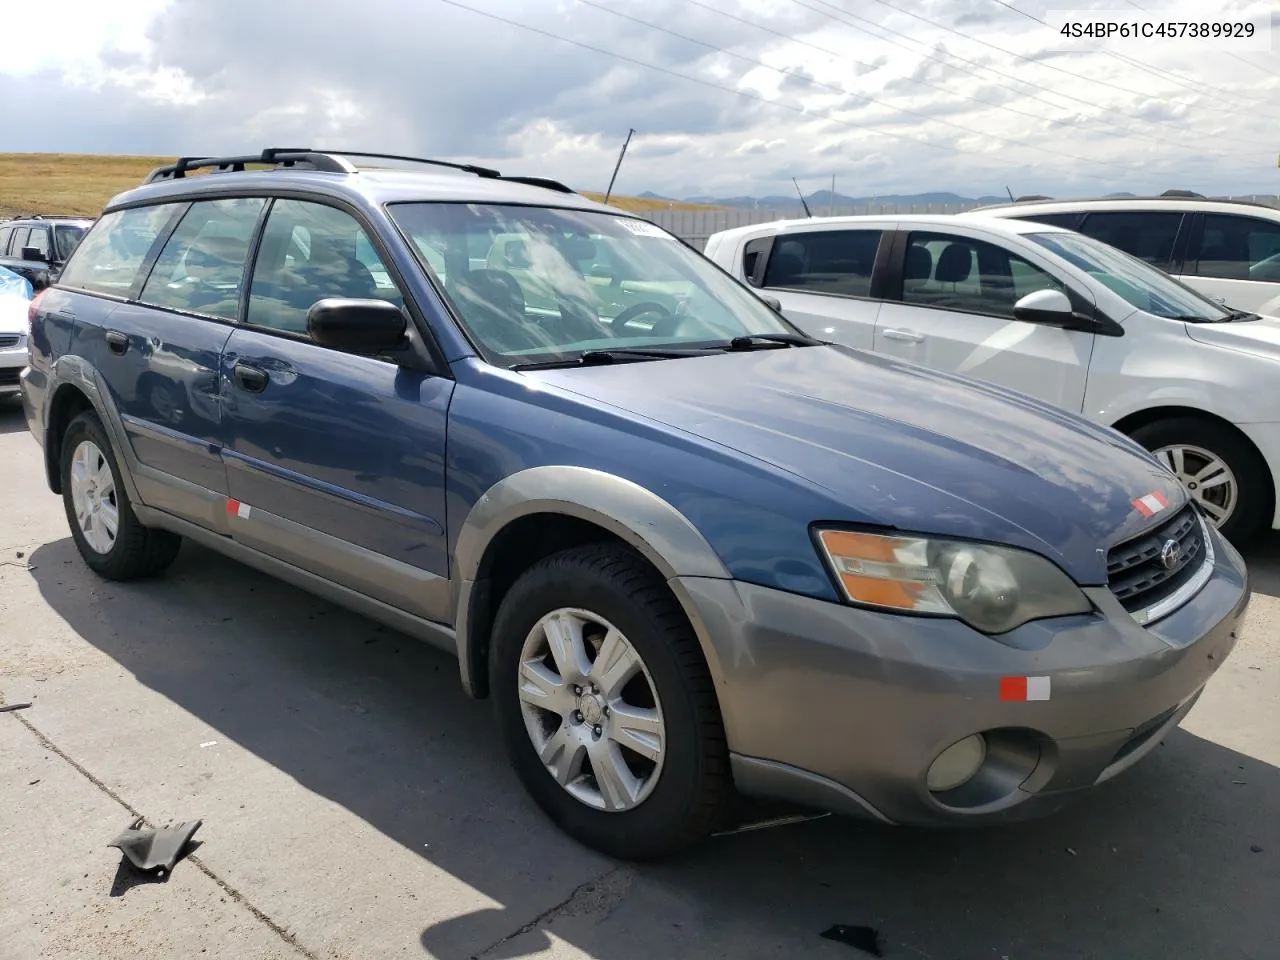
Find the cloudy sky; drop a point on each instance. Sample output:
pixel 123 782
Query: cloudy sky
pixel 728 98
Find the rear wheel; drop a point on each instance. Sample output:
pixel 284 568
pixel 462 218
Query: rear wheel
pixel 606 705
pixel 108 535
pixel 1219 469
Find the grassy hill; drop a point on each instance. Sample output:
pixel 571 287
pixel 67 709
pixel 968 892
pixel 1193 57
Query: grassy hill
pixel 69 183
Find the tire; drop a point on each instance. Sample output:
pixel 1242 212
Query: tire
pixel 688 789
pixel 133 551
pixel 1254 499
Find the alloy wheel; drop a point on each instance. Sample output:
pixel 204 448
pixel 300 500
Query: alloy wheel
pixel 93 494
pixel 1206 477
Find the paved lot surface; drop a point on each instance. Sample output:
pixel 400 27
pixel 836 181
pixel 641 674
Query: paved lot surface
pixel 356 804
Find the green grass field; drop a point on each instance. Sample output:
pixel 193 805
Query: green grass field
pixel 71 183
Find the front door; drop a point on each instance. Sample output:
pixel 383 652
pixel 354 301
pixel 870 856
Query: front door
pixel 335 462
pixel 956 314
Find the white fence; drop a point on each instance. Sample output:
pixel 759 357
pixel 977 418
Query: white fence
pixel 695 226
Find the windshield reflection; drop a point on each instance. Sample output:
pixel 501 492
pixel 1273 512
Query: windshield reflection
pixel 1140 284
pixel 534 284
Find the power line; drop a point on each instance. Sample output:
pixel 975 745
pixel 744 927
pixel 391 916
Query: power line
pixel 1080 124
pixel 716 86
pixel 840 90
pixel 1229 53
pixel 1010 53
pixel 841 13
pixel 1187 83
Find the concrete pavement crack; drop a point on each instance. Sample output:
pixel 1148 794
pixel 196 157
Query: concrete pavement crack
pixel 235 895
pixel 551 913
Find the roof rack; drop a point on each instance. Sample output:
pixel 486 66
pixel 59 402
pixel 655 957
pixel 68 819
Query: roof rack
pixel 326 161
pixel 1032 196
pixel 1182 193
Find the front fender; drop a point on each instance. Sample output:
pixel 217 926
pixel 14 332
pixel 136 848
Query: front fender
pixel 637 515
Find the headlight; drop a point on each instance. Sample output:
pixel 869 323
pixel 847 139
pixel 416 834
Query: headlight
pixel 993 589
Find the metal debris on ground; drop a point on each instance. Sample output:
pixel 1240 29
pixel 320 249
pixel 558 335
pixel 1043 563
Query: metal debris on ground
pixel 866 939
pixel 155 848
pixel 10 707
pixel 773 822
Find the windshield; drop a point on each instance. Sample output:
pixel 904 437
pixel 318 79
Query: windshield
pixel 533 284
pixel 66 238
pixel 1139 283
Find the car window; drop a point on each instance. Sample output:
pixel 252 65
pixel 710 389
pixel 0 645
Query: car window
pixel 20 235
pixel 829 261
pixel 751 256
pixel 108 258
pixel 1067 221
pixel 957 273
pixel 1237 248
pixel 201 268
pixel 542 285
pixel 65 239
pixel 1148 236
pixel 312 252
pixel 1140 284
pixel 39 238
pixel 6 234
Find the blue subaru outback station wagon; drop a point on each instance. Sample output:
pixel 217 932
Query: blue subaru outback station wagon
pixel 688 551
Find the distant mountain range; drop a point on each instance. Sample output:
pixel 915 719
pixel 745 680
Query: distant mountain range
pixel 822 199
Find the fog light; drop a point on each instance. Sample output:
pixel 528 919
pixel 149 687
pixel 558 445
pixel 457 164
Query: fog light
pixel 957 764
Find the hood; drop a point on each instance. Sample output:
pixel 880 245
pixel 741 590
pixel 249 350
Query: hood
pixel 903 446
pixel 1260 337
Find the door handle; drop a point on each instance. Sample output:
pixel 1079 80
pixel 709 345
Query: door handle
pixel 910 336
pixel 117 342
pixel 250 378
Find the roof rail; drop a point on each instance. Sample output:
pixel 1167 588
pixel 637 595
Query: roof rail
pixel 327 161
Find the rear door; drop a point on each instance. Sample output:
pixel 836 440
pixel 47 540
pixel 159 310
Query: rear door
pixel 159 352
pixel 825 279
pixel 952 310
pixel 335 462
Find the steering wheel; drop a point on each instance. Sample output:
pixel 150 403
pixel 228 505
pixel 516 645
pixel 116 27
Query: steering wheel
pixel 628 316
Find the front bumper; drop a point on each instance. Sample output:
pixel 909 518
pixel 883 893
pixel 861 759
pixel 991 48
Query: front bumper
pixel 845 709
pixel 11 363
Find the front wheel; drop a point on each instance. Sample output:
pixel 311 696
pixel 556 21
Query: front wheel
pixel 109 536
pixel 1221 471
pixel 606 705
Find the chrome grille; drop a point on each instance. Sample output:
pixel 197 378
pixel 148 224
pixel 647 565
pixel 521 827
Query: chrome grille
pixel 1139 571
pixel 9 339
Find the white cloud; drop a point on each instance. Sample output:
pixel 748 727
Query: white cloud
pixel 891 96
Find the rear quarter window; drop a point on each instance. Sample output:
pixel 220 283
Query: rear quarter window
pixel 112 253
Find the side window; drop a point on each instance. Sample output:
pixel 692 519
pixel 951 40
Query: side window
pixel 39 238
pixel 201 268
pixel 1148 236
pixel 108 258
pixel 1237 248
pixel 956 273
pixel 310 252
pixel 751 257
pixel 20 235
pixel 833 262
pixel 6 234
pixel 1069 221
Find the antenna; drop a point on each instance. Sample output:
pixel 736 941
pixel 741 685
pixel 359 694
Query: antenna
pixel 618 165
pixel 802 201
pixel 1010 193
pixel 831 207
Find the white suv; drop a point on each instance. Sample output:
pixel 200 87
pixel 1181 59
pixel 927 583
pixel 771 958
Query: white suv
pixel 1052 313
pixel 1229 250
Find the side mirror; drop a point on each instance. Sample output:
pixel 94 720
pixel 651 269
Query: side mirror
pixel 773 303
pixel 1050 307
pixel 357 326
pixel 32 254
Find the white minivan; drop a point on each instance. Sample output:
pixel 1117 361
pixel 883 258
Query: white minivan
pixel 1052 313
pixel 1229 250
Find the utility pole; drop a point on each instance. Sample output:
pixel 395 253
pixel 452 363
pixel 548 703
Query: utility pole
pixel 618 165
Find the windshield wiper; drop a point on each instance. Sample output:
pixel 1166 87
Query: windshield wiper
pixel 771 341
pixel 593 358
pixel 1239 315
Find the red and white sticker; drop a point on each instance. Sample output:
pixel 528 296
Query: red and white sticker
pixel 1024 688
pixel 241 510
pixel 1151 504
